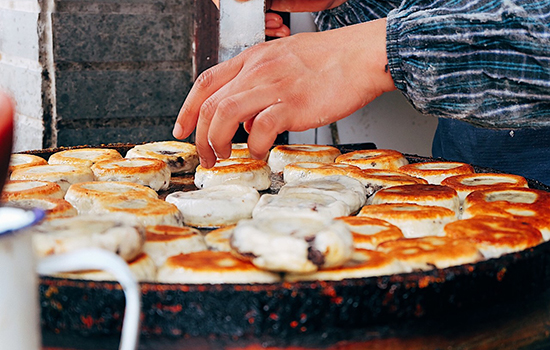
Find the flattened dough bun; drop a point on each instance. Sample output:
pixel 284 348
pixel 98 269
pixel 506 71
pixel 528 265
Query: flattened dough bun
pixel 119 234
pixel 495 236
pixel 62 174
pixel 363 263
pixel 235 171
pixel 414 220
pixel 181 157
pixel 148 211
pixel 292 244
pixel 374 159
pixel 162 242
pixel 304 171
pixel 368 233
pixel 465 184
pixel 436 195
pixel 377 179
pixel 53 207
pixel 21 160
pixel 83 196
pixel 341 187
pixel 18 189
pixel 436 171
pixel 425 253
pixel 523 204
pixel 84 156
pixel 142 268
pixel 215 206
pixel 300 204
pixel 152 173
pixel 282 155
pixel 214 268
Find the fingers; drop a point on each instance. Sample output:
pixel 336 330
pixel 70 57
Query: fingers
pixel 232 111
pixel 274 26
pixel 264 130
pixel 206 84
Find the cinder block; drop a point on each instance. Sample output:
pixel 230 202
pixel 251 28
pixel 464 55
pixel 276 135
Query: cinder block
pixel 19 34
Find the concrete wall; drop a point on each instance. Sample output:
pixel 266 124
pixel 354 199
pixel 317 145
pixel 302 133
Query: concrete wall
pixel 92 72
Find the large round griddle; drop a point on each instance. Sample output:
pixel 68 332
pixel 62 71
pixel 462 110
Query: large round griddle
pixel 316 312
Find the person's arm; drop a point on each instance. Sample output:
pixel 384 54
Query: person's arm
pixel 354 12
pixel 294 83
pixel 486 62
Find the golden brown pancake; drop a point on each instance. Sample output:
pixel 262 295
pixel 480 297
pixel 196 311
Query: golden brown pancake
pixel 163 241
pixel 20 161
pixel 19 189
pixel 218 239
pixel 282 155
pixel 84 156
pixel 235 171
pixel 180 157
pixel 425 253
pixel 374 159
pixel 377 179
pixel 368 233
pixel 465 184
pixel 363 263
pixel 436 171
pixel 414 220
pixel 495 236
pixel 436 195
pixel 212 267
pixel 149 172
pixel 302 171
pixel 53 207
pixel 62 174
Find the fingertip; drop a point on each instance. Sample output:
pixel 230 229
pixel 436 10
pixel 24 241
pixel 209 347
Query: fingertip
pixel 178 131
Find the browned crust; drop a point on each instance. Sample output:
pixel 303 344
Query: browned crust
pixel 405 211
pixel 47 188
pixel 412 193
pixel 165 233
pixel 466 182
pixel 375 158
pixel 152 166
pixel 234 165
pixel 209 261
pixel 495 231
pixel 304 150
pixel 436 168
pixel 32 161
pixel 63 157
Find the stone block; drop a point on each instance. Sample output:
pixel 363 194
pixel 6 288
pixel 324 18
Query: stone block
pixel 27 133
pixel 25 85
pixel 19 34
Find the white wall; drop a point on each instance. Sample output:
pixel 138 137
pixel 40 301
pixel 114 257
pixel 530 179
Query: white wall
pixel 389 121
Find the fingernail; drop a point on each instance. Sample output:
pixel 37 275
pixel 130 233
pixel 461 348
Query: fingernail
pixel 280 34
pixel 178 131
pixel 272 24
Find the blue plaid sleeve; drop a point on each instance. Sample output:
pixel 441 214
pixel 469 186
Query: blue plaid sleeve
pixel 353 12
pixel 486 62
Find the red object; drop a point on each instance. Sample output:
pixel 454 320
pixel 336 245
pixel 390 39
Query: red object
pixel 6 136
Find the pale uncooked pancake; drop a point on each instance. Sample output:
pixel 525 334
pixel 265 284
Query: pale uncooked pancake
pixel 436 195
pixel 368 233
pixel 235 171
pixel 465 184
pixel 142 268
pixel 53 207
pixel 19 189
pixel 414 220
pixel 282 155
pixel 425 253
pixel 300 204
pixel 162 242
pixel 20 161
pixel 303 171
pixel 374 159
pixel 436 171
pixel 495 236
pixel 181 157
pixel 63 174
pixel 215 206
pixel 292 244
pixel 210 267
pixel 152 173
pixel 120 234
pixel 363 263
pixel 148 211
pixel 84 195
pixel 343 188
pixel 218 239
pixel 84 156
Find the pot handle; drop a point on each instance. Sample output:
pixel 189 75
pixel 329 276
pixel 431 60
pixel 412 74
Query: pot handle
pixel 98 259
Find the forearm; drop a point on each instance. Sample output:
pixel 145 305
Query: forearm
pixel 486 61
pixel 354 12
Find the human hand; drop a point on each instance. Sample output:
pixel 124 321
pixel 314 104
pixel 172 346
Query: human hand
pixel 295 83
pixel 274 26
pixel 6 135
